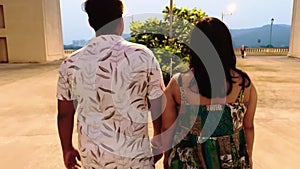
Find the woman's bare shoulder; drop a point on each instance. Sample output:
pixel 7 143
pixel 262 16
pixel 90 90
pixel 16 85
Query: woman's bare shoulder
pixel 176 76
pixel 173 86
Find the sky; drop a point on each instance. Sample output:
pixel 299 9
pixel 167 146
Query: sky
pixel 245 13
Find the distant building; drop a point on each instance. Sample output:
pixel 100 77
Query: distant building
pixel 79 43
pixel 30 31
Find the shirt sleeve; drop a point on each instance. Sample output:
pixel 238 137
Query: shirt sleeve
pixel 64 91
pixel 156 82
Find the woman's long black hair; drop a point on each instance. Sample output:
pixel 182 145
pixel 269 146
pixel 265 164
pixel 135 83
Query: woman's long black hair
pixel 220 37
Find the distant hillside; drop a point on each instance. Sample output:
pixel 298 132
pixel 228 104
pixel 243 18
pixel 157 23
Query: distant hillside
pixel 252 37
pixel 260 37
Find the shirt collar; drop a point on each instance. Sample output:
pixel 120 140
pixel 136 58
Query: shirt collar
pixel 108 38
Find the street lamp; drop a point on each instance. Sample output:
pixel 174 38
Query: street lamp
pixel 272 20
pixel 225 13
pixel 230 9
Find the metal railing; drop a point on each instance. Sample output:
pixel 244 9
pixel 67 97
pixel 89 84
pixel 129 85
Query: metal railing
pixel 249 52
pixel 68 52
pixel 263 51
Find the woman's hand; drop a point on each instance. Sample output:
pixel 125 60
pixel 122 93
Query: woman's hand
pixel 157 148
pixel 250 162
pixel 165 162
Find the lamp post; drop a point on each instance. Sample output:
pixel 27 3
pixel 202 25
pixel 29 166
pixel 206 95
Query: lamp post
pixel 131 17
pixel 170 35
pixel 271 27
pixel 225 13
pixel 171 18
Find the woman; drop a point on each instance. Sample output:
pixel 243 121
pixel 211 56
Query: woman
pixel 196 100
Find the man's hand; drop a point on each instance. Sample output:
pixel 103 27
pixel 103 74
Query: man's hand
pixel 70 159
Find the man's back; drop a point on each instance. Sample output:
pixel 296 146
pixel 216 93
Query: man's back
pixel 112 80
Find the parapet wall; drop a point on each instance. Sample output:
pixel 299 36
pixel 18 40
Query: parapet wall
pixel 249 52
pixel 263 51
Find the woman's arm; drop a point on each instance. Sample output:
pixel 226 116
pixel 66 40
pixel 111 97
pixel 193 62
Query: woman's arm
pixel 156 109
pixel 168 119
pixel 249 121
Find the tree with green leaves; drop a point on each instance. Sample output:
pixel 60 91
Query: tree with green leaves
pixel 154 34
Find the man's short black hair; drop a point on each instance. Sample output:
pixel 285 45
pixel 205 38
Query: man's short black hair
pixel 102 12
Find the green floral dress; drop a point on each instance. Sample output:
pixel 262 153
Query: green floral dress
pixel 222 148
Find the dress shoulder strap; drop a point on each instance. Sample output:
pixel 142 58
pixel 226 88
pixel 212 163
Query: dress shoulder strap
pixel 240 97
pixel 182 95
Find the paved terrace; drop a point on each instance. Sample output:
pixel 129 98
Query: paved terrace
pixel 28 135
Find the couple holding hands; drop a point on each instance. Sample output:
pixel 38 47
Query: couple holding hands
pixel 204 117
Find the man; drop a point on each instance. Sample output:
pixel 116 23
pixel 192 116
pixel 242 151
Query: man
pixel 114 82
pixel 243 53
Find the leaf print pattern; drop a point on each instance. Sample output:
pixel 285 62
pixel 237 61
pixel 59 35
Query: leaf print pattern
pixel 112 79
pixel 237 113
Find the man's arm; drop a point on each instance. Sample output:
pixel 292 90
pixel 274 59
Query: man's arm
pixel 65 123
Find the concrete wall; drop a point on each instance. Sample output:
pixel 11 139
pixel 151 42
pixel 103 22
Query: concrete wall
pixel 32 30
pixel 53 30
pixel 294 50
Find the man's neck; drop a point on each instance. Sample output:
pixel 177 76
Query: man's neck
pixel 99 33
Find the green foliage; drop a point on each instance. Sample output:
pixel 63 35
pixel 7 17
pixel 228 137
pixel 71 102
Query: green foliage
pixel 154 34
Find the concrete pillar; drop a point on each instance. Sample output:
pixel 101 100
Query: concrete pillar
pixel 31 30
pixel 294 50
